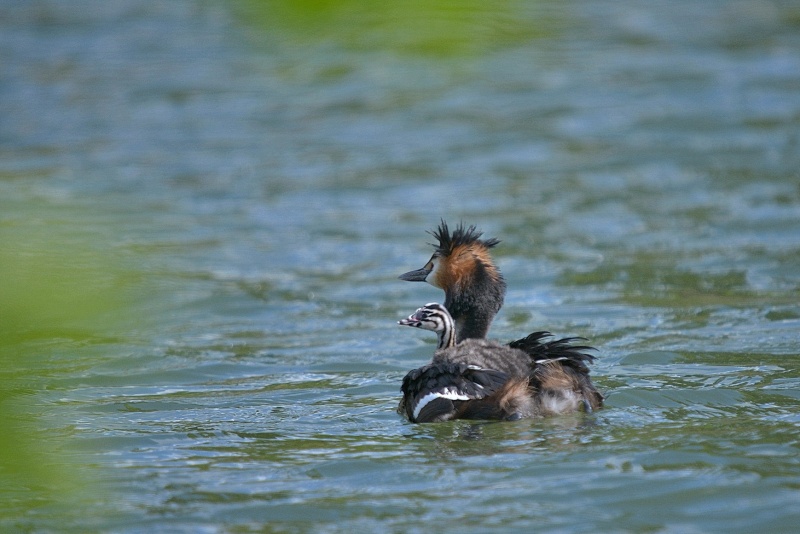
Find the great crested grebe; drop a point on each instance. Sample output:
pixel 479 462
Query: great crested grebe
pixel 476 379
pixel 474 288
pixel 481 379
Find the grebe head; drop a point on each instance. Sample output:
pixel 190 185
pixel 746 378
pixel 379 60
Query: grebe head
pixel 434 317
pixel 456 258
pixel 462 266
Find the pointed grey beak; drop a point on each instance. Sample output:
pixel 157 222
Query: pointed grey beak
pixel 415 276
pixel 408 321
pixel 415 319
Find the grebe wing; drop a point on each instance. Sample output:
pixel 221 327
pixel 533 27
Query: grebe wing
pixel 430 391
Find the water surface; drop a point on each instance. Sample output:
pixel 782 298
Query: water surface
pixel 204 207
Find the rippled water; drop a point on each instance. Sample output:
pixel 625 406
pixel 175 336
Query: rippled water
pixel 204 207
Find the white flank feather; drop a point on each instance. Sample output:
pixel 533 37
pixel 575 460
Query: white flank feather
pixel 446 393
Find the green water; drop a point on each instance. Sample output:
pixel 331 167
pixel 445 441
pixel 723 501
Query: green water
pixel 204 207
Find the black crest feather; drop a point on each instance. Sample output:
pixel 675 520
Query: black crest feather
pixel 462 235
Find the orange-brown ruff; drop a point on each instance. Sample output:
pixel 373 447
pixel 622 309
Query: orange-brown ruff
pixel 459 260
pixel 474 289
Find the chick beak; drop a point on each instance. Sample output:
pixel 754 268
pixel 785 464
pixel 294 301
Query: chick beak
pixel 416 276
pixel 415 319
pixel 408 321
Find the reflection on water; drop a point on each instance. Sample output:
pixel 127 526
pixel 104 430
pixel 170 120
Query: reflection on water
pixel 204 207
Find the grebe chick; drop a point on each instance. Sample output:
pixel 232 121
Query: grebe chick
pixel 435 317
pixel 481 379
pixel 474 288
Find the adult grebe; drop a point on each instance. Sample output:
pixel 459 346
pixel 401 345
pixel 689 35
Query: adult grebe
pixel 481 379
pixel 474 288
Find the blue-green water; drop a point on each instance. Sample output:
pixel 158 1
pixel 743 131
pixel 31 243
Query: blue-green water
pixel 204 207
